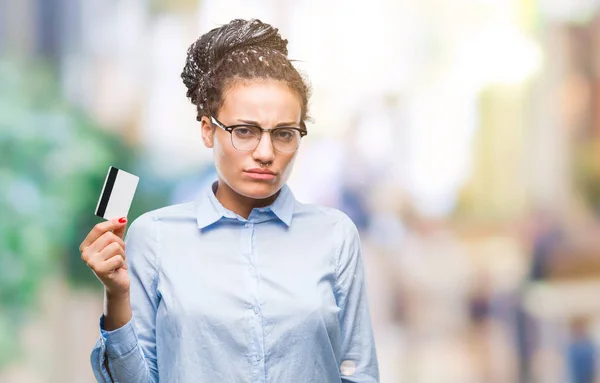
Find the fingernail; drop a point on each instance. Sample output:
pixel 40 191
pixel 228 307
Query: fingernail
pixel 122 220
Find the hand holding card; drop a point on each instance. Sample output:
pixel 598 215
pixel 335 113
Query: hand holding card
pixel 103 250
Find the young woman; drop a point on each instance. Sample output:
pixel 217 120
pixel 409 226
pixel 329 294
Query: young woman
pixel 245 284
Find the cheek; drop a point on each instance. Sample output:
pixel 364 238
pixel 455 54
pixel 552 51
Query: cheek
pixel 225 156
pixel 220 154
pixel 289 165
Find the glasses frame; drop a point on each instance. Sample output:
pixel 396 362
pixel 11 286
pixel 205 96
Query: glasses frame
pixel 303 132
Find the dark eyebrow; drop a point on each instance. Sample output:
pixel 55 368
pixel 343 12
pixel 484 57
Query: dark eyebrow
pixel 286 124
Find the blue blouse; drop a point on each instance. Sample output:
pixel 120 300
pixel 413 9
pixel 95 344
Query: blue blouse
pixel 279 297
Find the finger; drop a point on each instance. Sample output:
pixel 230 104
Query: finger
pixel 100 229
pixel 105 240
pixel 110 251
pixel 120 231
pixel 110 265
pixel 114 263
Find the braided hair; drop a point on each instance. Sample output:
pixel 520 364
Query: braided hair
pixel 239 50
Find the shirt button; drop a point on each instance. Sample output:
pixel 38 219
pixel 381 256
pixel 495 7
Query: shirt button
pixel 248 224
pixel 256 357
pixel 256 310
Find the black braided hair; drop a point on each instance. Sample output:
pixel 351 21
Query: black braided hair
pixel 239 50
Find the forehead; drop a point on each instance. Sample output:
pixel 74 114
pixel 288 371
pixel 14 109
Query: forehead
pixel 265 101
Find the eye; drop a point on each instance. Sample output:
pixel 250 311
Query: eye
pixel 245 132
pixel 284 134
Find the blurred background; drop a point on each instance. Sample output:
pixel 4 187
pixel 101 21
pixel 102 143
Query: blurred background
pixel 462 137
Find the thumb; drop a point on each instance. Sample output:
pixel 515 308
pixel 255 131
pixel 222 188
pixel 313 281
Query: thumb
pixel 119 230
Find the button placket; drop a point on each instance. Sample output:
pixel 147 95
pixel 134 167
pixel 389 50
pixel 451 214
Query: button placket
pixel 254 308
pixel 246 240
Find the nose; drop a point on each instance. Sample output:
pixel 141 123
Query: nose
pixel 264 152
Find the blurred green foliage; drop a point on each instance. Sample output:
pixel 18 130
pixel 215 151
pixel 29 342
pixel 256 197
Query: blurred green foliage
pixel 53 162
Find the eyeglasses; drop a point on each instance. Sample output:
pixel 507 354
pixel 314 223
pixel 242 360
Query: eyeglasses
pixel 245 137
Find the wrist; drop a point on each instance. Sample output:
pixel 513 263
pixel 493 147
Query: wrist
pixel 116 295
pixel 117 310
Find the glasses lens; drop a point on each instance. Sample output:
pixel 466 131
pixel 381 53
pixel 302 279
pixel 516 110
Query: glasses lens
pixel 285 140
pixel 245 137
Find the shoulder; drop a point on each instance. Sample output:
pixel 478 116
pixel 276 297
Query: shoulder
pixel 337 230
pixel 144 233
pixel 147 223
pixel 182 210
pixel 335 219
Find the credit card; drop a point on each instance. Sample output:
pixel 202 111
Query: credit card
pixel 117 194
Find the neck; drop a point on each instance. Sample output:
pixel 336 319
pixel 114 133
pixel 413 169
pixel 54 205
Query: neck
pixel 237 203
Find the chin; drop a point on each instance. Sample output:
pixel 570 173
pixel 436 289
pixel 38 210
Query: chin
pixel 258 190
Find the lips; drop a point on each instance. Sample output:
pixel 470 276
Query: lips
pixel 260 174
pixel 260 171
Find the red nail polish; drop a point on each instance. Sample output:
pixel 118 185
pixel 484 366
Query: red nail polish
pixel 122 220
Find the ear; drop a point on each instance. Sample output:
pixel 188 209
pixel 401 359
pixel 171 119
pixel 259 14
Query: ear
pixel 208 131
